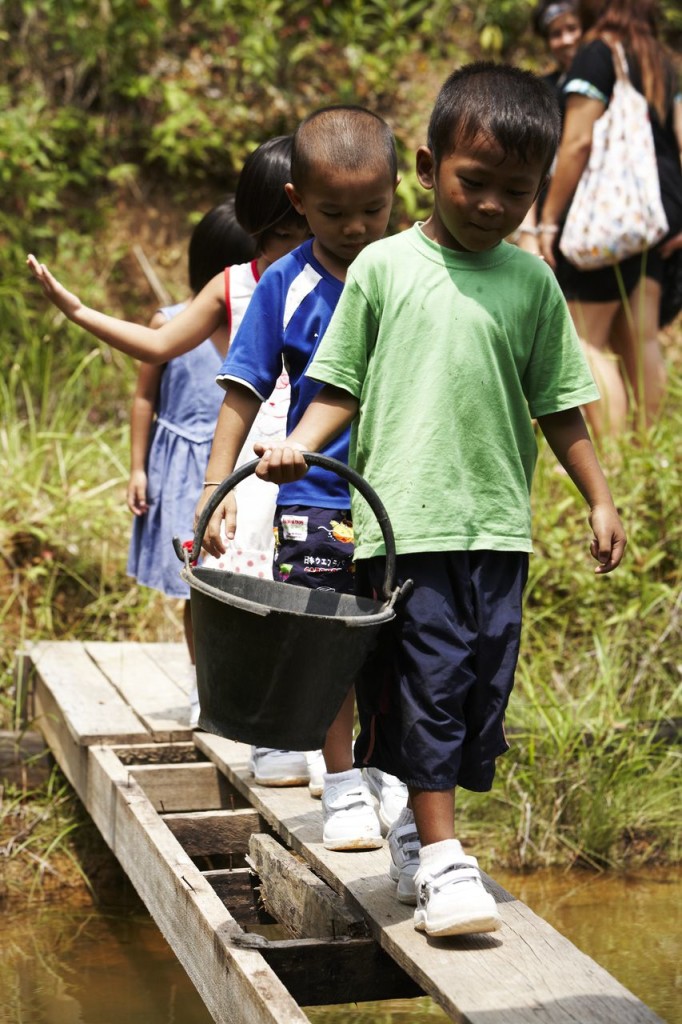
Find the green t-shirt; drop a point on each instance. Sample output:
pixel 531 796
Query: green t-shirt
pixel 450 355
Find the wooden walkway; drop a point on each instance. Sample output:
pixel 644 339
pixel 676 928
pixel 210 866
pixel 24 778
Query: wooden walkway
pixel 216 858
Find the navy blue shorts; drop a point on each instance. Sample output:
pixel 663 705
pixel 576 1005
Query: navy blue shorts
pixel 314 548
pixel 433 695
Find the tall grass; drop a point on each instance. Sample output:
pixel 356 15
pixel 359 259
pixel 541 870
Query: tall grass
pixel 593 773
pixel 64 526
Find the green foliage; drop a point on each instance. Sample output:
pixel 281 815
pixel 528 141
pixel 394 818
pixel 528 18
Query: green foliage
pixel 501 23
pixel 187 87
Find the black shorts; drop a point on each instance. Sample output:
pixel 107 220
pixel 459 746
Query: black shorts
pixel 605 284
pixel 432 698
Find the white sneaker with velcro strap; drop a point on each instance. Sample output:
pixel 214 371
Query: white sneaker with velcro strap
pixel 350 821
pixel 451 899
pixel 389 791
pixel 404 846
pixel 316 770
pixel 272 767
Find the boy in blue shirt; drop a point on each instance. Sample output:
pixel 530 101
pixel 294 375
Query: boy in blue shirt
pixel 344 174
pixel 446 342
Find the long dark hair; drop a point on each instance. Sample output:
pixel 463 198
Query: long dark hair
pixel 634 23
pixel 260 200
pixel 218 241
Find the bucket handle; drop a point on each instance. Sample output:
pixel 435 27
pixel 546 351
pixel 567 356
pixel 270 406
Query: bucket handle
pixel 312 459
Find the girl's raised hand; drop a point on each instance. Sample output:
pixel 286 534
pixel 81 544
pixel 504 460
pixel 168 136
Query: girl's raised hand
pixel 56 293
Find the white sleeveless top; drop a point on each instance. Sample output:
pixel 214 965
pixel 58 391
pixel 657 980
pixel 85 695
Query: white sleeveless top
pixel 251 551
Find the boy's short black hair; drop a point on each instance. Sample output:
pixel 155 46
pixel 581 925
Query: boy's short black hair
pixel 345 136
pixel 217 242
pixel 260 200
pixel 496 101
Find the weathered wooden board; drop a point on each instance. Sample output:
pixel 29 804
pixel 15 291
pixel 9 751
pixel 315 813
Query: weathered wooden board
pixel 527 972
pixel 159 702
pixel 239 890
pixel 236 984
pixel 198 786
pixel 159 753
pixel 74 705
pixel 92 709
pixel 173 659
pixel 305 905
pixel 206 833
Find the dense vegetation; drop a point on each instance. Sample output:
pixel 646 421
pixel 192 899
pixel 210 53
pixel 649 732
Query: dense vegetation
pixel 121 122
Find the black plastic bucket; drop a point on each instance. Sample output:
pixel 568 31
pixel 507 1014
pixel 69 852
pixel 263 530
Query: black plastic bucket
pixel 275 660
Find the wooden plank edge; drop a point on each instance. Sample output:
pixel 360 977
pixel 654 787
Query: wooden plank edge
pixel 194 921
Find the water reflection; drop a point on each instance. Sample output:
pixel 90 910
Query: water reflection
pixel 79 967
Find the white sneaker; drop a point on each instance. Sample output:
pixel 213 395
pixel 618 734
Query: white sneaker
pixel 404 846
pixel 194 708
pixel 350 821
pixel 389 791
pixel 451 899
pixel 316 770
pixel 278 767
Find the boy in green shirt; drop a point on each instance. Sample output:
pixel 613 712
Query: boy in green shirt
pixel 446 342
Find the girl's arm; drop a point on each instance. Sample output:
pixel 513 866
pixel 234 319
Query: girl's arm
pixel 141 419
pixel 568 438
pixel 572 159
pixel 184 332
pixel 235 419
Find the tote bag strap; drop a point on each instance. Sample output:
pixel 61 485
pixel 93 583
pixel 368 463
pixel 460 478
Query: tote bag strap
pixel 620 63
pixel 228 304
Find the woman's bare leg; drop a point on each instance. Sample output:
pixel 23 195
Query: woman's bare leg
pixel 635 340
pixel 594 322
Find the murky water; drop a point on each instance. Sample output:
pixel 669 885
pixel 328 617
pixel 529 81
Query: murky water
pixel 75 966
pixel 630 925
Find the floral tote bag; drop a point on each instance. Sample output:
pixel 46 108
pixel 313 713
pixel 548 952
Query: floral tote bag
pixel 617 210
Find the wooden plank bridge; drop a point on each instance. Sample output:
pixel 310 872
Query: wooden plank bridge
pixel 216 858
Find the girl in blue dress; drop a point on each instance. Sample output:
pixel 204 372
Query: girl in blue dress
pixel 174 411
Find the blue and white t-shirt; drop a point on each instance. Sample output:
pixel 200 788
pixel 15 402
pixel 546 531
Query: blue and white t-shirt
pixel 284 323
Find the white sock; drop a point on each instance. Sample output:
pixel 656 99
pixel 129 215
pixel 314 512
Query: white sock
pixel 447 851
pixel 352 775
